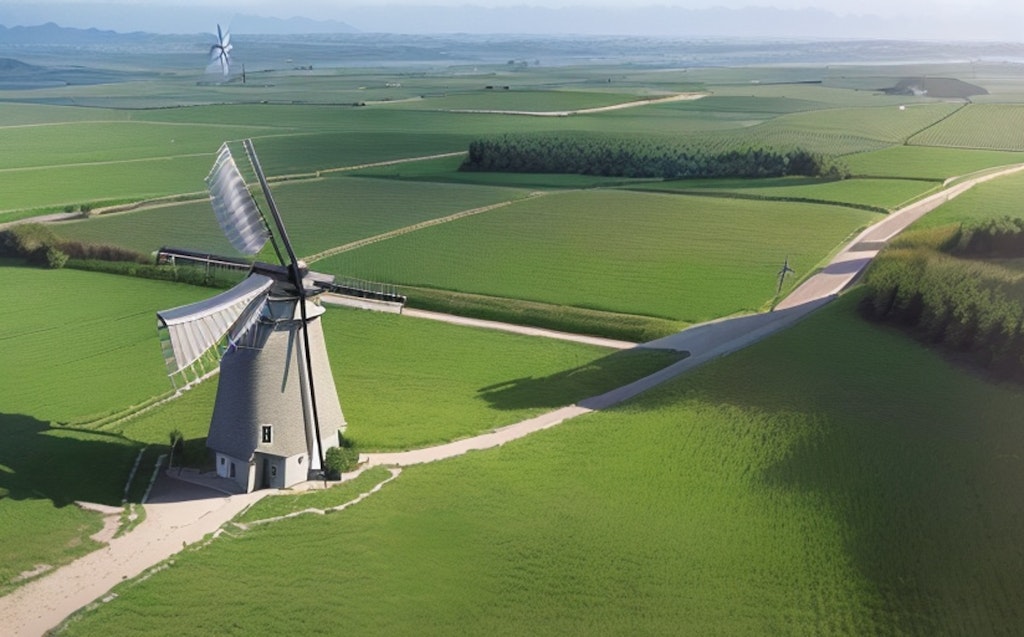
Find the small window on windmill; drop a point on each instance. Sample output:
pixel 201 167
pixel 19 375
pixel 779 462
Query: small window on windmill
pixel 267 436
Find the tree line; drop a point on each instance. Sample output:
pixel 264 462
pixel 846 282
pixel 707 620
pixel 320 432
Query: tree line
pixel 941 285
pixel 642 158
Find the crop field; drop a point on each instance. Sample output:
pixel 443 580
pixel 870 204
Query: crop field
pixel 638 253
pixel 913 162
pixel 979 126
pixel 837 479
pixel 94 332
pixel 319 214
pixel 499 99
pixel 888 194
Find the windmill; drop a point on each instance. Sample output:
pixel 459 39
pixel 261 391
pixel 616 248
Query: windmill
pixel 220 53
pixel 277 409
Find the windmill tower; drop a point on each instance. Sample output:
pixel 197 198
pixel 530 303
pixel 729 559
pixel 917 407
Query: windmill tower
pixel 277 409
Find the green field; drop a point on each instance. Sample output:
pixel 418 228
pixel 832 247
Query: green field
pixel 779 491
pixel 406 383
pixel 979 126
pixel 836 479
pixel 992 199
pixel 319 214
pixel 885 194
pixel 911 162
pixel 684 258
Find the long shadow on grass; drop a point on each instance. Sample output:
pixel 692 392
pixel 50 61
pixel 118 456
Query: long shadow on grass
pixel 573 385
pixel 38 461
pixel 919 464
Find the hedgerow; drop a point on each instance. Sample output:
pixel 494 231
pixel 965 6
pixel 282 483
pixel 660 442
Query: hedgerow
pixel 938 284
pixel 641 158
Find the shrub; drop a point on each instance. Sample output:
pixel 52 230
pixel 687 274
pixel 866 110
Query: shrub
pixel 341 459
pixel 55 259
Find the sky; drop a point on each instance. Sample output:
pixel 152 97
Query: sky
pixel 938 19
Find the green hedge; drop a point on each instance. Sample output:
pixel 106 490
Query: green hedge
pixel 970 306
pixel 634 157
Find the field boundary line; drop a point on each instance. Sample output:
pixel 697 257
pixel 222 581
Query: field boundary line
pixel 681 97
pixel 330 252
pixel 395 472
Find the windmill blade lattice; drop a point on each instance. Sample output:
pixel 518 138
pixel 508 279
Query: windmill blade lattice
pixel 236 210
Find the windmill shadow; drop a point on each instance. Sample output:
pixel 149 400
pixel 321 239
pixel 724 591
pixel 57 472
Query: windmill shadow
pixel 576 384
pixel 41 462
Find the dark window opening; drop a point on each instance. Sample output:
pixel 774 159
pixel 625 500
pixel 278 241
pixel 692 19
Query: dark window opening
pixel 267 434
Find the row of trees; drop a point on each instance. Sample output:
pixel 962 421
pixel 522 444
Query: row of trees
pixel 641 158
pixel 971 306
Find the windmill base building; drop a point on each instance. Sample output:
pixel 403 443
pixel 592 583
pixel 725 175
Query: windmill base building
pixel 262 432
pixel 277 410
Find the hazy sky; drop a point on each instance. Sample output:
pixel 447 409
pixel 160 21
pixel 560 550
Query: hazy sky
pixel 333 8
pixel 910 19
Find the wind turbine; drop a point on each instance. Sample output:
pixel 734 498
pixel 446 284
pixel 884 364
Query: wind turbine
pixel 220 53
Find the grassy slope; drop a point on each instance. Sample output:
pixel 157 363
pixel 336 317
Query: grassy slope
pixel 686 258
pixel 407 383
pixel 837 479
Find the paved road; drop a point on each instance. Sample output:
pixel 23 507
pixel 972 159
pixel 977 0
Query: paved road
pixel 848 265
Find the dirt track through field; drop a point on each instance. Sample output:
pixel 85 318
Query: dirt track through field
pixel 682 97
pixel 181 514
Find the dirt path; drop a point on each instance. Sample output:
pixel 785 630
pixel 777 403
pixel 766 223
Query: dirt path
pixel 319 256
pixel 682 97
pixel 177 514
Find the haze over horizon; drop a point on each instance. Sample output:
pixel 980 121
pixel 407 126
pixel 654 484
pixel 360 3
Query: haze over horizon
pixel 996 20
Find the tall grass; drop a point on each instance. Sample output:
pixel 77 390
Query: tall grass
pixel 834 480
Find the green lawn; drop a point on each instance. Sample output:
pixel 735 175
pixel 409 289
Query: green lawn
pixel 837 479
pixel 684 258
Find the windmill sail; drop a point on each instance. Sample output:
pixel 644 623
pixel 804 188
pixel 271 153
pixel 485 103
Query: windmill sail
pixel 189 331
pixel 236 210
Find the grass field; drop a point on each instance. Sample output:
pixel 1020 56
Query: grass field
pixel 912 162
pixel 407 383
pixel 837 479
pixel 887 194
pixel 85 343
pixel 997 198
pixel 979 126
pixel 684 258
pixel 834 480
pixel 319 214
